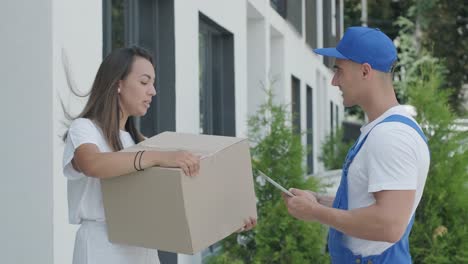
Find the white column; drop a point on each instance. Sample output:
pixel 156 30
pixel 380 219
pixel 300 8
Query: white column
pixel 26 194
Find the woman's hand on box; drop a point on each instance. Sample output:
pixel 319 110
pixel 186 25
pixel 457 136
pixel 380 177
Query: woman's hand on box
pixel 188 162
pixel 248 224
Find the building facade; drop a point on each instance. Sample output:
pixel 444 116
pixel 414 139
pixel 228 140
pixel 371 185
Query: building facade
pixel 213 60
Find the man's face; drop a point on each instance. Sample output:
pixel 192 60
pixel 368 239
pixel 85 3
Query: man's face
pixel 346 78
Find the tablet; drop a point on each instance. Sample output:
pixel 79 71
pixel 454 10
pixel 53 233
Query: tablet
pixel 277 185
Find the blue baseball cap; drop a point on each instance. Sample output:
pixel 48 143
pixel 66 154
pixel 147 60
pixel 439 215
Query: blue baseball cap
pixel 364 45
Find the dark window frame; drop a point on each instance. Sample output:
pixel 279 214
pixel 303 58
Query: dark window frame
pixel 291 11
pixel 310 130
pixel 332 117
pixel 311 23
pixel 149 24
pixel 330 40
pixel 217 106
pixel 280 6
pixel 294 14
pixel 296 104
pixel 337 117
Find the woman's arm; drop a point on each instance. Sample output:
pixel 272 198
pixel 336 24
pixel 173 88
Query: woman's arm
pixel 90 161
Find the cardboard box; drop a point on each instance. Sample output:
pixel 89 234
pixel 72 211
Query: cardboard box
pixel 164 209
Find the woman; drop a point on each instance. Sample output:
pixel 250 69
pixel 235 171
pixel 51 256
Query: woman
pixel 123 89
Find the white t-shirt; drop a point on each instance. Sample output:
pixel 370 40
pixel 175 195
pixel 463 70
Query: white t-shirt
pixel 85 205
pixel 84 193
pixel 394 157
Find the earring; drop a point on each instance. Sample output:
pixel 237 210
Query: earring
pixel 118 90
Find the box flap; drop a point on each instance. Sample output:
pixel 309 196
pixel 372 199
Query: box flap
pixel 202 145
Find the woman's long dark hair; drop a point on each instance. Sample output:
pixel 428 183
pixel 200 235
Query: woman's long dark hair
pixel 103 103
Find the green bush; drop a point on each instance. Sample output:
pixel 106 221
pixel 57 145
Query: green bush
pixel 440 232
pixel 334 150
pixel 278 237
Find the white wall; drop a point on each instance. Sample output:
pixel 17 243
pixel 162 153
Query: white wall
pixel 257 53
pixel 26 149
pixel 276 73
pixel 291 55
pixel 228 14
pixel 77 34
pixel 35 225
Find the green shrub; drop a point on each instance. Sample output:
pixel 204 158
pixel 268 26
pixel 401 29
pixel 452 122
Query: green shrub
pixel 278 237
pixel 440 232
pixel 334 150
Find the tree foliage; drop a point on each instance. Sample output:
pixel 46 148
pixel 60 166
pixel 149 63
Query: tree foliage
pixel 334 150
pixel 444 26
pixel 440 231
pixel 278 237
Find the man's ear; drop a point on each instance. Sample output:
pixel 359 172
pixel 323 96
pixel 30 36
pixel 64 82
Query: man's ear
pixel 366 70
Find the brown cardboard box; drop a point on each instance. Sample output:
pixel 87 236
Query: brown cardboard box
pixel 162 208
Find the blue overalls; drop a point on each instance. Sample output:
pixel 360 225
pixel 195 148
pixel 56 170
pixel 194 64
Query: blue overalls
pixel 397 253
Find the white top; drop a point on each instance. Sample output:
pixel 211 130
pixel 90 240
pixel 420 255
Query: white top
pixel 394 157
pixel 84 193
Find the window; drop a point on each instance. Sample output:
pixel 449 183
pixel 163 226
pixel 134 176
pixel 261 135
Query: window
pixel 332 123
pixel 339 19
pixel 294 14
pixel 279 6
pixel 113 21
pixel 337 117
pixel 331 25
pixel 311 23
pixel 296 104
pixel 289 10
pixel 149 24
pixel 217 97
pixel 310 131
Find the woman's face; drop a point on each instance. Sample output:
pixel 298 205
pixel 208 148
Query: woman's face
pixel 137 90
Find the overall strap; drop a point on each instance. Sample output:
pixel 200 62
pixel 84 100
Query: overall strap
pixel 338 252
pixel 341 200
pixel 407 121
